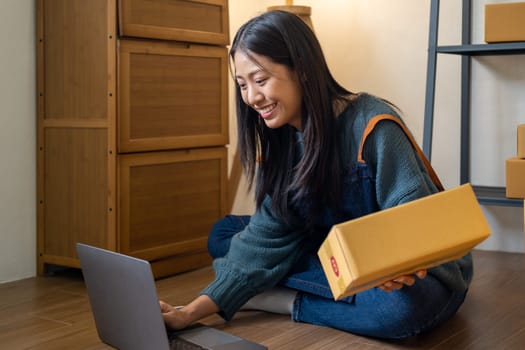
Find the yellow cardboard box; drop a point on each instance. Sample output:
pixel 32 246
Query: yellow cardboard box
pixel 521 141
pixel 505 22
pixel 515 178
pixel 368 251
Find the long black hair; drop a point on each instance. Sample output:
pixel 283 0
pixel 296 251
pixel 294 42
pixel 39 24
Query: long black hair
pixel 267 155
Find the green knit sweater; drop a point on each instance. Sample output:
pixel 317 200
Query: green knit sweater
pixel 266 250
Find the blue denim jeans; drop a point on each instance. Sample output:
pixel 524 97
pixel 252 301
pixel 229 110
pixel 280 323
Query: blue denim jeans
pixel 374 313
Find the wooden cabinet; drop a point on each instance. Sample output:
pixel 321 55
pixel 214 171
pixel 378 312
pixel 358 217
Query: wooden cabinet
pixel 132 128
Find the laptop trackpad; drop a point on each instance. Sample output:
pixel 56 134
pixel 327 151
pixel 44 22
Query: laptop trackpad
pixel 214 339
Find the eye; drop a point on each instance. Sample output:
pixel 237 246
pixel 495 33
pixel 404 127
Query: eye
pixel 260 81
pixel 242 86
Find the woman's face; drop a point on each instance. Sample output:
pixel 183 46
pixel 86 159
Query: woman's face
pixel 270 88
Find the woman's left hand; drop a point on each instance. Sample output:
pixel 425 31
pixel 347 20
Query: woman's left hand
pixel 402 281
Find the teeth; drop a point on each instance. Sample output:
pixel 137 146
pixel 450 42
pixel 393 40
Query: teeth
pixel 268 109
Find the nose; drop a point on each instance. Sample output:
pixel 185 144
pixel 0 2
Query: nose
pixel 253 96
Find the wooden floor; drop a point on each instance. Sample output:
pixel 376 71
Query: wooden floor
pixel 54 313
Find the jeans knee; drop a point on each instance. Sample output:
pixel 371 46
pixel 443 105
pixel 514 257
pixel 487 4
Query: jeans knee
pixel 222 232
pixel 215 239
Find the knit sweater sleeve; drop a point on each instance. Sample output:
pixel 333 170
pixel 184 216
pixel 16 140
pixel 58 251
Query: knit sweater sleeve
pixel 259 256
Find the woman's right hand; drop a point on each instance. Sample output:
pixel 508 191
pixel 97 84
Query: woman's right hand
pixel 182 317
pixel 174 317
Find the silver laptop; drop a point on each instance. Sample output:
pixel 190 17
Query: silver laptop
pixel 125 306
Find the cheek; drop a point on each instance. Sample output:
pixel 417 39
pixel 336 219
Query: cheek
pixel 297 97
pixel 294 94
pixel 243 95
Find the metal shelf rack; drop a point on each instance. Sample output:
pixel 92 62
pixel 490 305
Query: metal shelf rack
pixel 486 194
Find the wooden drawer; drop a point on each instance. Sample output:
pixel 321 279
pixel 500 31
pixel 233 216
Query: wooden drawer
pixel 170 200
pixel 204 21
pixel 172 96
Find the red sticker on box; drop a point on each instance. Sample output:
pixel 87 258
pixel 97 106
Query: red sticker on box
pixel 334 266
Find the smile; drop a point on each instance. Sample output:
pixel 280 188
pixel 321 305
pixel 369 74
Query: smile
pixel 265 112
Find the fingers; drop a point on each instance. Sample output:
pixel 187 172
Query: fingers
pixel 165 307
pixel 421 274
pixel 405 280
pixel 401 281
pixel 398 283
pixel 173 316
pixel 390 286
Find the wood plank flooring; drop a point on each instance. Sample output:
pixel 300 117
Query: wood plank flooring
pixel 53 312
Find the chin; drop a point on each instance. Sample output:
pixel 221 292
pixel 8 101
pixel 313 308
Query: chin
pixel 273 124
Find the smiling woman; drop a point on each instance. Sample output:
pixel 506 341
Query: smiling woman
pixel 299 134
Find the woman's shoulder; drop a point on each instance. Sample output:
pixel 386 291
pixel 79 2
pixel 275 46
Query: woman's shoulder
pixel 361 108
pixel 366 106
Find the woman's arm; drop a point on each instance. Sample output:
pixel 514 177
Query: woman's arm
pixel 259 257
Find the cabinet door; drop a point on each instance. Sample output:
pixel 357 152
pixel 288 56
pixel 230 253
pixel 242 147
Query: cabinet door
pixel 76 58
pixel 170 200
pixel 76 142
pixel 75 191
pixel 201 21
pixel 172 95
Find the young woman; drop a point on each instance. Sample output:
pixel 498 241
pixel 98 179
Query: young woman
pixel 318 155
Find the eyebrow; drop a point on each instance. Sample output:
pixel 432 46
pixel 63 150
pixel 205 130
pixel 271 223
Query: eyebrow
pixel 250 74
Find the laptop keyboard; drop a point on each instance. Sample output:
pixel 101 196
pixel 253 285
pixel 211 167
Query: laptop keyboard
pixel 181 344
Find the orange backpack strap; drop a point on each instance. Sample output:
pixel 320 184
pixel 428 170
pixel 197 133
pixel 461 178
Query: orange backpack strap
pixel 370 127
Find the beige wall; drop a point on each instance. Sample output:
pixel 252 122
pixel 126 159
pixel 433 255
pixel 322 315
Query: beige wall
pixel 17 140
pixel 379 46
